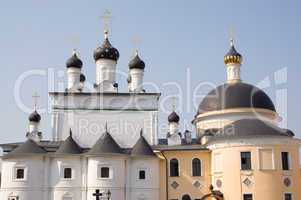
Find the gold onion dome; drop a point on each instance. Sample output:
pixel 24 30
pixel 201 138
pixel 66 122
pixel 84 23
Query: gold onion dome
pixel 233 57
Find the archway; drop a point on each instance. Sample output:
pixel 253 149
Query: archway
pixel 214 195
pixel 186 197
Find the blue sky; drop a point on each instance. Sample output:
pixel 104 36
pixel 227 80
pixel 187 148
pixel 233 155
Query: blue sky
pixel 175 35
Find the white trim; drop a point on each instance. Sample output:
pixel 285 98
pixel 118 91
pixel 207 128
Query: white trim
pixel 253 142
pixel 14 173
pixel 111 171
pixel 246 151
pixel 289 160
pixel 247 194
pixel 138 174
pixel 288 193
pixel 62 174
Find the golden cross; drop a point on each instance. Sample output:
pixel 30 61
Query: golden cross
pixel 35 97
pixel 106 18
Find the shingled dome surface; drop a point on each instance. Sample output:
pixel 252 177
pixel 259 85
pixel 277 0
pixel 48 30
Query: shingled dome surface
pixel 105 145
pixel 106 51
pixel 238 95
pixel 34 117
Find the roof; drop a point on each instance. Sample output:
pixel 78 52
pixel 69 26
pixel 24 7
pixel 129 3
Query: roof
pixel 29 147
pixel 237 95
pixel 105 145
pixel 142 148
pixel 69 146
pixel 250 128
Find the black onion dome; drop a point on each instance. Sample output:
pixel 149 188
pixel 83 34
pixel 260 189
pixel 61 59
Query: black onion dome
pixel 238 95
pixel 173 117
pixel 82 78
pixel 74 61
pixel 136 63
pixel 232 56
pixel 34 117
pixel 106 50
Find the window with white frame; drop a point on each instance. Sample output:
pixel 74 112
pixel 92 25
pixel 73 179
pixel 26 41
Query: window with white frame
pixel 248 197
pixel 19 173
pixel 266 159
pixel 67 173
pixel 141 174
pixel 104 172
pixel 286 161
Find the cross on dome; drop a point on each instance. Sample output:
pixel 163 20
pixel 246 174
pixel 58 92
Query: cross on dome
pixel 106 18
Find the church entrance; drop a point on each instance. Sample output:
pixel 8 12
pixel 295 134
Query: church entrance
pixel 186 197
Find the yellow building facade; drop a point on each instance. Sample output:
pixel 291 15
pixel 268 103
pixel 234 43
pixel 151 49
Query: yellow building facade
pixel 239 152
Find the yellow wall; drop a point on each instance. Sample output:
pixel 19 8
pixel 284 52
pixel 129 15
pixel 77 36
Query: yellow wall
pixel 186 180
pixel 266 184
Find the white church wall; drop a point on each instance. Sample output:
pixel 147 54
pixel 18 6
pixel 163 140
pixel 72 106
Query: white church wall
pixel 57 180
pixel 31 186
pixel 149 187
pixel 125 115
pixel 115 183
pixel 124 126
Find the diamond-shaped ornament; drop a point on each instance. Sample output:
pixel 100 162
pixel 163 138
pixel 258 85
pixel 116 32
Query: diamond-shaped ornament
pixel 197 184
pixel 174 185
pixel 247 182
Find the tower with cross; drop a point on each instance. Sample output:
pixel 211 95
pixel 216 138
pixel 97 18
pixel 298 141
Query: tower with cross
pixel 34 121
pixel 106 57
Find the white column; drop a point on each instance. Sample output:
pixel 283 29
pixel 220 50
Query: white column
pixel 173 128
pixel 136 80
pixel 46 178
pixel 34 127
pixel 233 73
pixel 73 77
pixel 84 178
pixel 106 74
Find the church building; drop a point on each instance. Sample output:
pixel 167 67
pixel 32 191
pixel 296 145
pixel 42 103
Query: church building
pixel 105 142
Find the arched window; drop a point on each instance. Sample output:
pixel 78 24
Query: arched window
pixel 196 167
pixel 174 167
pixel 186 197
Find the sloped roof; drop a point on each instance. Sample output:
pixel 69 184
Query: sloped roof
pixel 142 148
pixel 69 146
pixel 29 147
pixel 105 145
pixel 251 128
